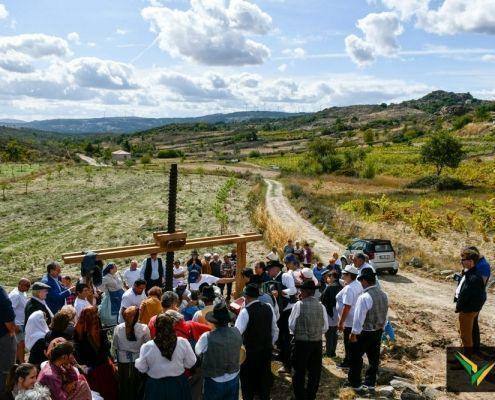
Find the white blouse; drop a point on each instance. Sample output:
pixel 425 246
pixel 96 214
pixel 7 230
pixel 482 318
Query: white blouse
pixel 111 283
pixel 152 362
pixel 126 350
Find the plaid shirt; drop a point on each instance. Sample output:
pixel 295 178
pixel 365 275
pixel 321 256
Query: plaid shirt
pixel 70 300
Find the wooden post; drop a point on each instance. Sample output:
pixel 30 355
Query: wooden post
pixel 172 209
pixel 241 264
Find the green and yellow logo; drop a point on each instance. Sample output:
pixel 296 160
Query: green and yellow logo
pixel 476 375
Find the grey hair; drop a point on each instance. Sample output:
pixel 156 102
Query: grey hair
pixel 38 392
pixel 361 256
pixel 174 315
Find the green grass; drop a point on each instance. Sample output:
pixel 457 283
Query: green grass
pixel 286 163
pixel 115 207
pixel 15 170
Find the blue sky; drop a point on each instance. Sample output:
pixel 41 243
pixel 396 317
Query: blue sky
pixel 158 58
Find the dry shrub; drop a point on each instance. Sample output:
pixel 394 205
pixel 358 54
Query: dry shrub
pixel 275 234
pixel 347 394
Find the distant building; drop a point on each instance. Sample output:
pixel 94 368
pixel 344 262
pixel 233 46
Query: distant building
pixel 121 155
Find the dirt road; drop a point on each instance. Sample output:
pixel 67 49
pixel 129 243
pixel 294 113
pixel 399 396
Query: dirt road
pixel 90 161
pixel 422 310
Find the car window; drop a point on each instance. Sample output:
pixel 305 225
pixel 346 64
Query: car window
pixel 359 245
pixel 383 247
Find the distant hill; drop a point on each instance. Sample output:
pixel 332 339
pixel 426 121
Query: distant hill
pixel 133 124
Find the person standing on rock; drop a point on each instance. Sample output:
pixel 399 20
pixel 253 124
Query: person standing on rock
pixel 470 296
pixel 308 322
pixel 370 316
pixel 346 303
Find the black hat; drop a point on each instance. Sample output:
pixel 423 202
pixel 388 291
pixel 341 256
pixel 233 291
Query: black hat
pixel 367 275
pixel 256 280
pixel 308 285
pixel 220 314
pixel 272 264
pixel 252 291
pixel 39 286
pixel 208 293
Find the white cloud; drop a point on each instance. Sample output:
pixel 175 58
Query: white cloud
pixel 298 53
pixel 14 61
pixel 91 44
pixel 74 37
pixel 196 89
pixel 380 38
pixel 93 72
pixel 36 45
pixel 3 12
pixel 488 57
pixel 405 8
pixel 120 31
pixel 212 32
pixel 282 67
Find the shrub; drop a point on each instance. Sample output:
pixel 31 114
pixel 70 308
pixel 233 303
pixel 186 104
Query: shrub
pixel 448 183
pixel 145 159
pixel 255 154
pixel 369 170
pixel 331 163
pixel 170 153
pixel 424 182
pixel 461 122
pixel 295 191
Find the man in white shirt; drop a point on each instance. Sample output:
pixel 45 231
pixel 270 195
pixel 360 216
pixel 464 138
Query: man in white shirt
pixel 81 302
pixel 348 296
pixel 131 275
pixel 179 274
pixel 258 325
pixel 132 297
pixel 19 299
pixel 284 289
pixel 369 320
pixel 308 322
pixel 196 279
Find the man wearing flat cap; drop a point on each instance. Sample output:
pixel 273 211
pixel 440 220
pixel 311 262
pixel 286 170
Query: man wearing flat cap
pixel 258 325
pixel 308 322
pixel 220 350
pixel 38 302
pixel 369 319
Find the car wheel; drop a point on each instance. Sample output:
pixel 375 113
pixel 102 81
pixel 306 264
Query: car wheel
pixel 393 271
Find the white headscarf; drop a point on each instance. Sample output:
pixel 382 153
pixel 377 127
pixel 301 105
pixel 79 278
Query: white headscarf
pixel 36 328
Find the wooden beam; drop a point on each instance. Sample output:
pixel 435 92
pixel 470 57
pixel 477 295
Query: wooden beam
pixel 241 264
pixel 143 249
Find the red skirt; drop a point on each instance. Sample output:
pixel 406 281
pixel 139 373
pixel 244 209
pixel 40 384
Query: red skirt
pixel 103 379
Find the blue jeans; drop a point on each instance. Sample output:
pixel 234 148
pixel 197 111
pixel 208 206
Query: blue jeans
pixel 388 330
pixel 221 391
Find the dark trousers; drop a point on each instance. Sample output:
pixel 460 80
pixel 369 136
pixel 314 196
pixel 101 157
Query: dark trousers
pixel 256 375
pixel 221 391
pixel 368 343
pixel 229 289
pixel 476 335
pixel 331 341
pixel 284 338
pixel 153 282
pixel 347 350
pixel 306 359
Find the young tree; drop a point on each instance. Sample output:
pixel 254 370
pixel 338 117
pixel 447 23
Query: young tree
pixel 442 150
pixel 368 137
pixel 4 186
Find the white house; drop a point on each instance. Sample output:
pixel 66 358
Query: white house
pixel 121 155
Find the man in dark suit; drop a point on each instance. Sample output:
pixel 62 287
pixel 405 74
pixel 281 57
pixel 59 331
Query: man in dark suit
pixel 57 293
pixel 37 302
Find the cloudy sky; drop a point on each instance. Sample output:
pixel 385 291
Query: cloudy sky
pixel 161 58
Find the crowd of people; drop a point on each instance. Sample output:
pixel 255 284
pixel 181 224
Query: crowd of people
pixel 127 338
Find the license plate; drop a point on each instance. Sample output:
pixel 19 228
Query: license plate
pixel 384 257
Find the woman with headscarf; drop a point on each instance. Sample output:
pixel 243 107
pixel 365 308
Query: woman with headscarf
pixel 36 330
pixel 165 360
pixel 151 306
pixel 93 350
pixel 60 374
pixel 128 338
pixel 112 288
pixel 60 326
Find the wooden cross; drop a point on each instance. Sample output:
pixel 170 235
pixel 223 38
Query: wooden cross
pixel 169 242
